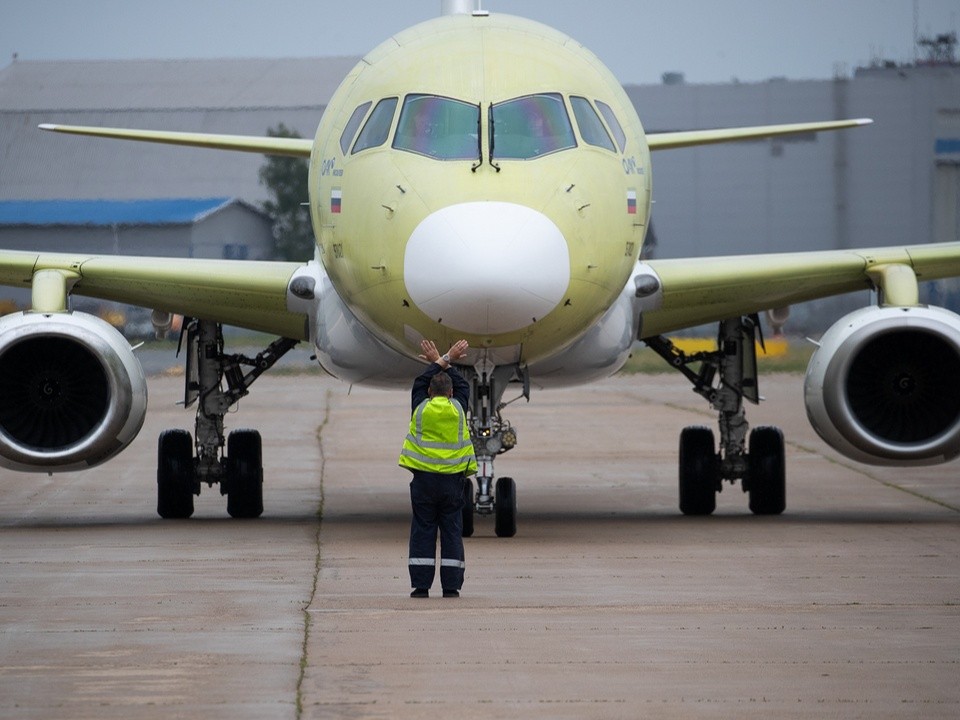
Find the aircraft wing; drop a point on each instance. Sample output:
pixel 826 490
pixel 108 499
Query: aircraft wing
pixel 241 293
pixel 293 147
pixel 703 290
pixel 299 147
pixel 689 138
pixel 247 294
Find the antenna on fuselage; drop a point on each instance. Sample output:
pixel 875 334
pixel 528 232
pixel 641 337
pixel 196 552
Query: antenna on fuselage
pixel 459 7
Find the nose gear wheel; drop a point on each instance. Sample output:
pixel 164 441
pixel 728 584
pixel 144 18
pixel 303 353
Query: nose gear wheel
pixel 492 435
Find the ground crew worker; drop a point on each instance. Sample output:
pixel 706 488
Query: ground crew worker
pixel 439 453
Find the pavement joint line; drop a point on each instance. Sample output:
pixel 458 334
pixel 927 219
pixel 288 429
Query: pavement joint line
pixel 306 611
pixel 863 470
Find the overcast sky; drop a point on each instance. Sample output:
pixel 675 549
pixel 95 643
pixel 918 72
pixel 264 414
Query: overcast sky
pixel 708 40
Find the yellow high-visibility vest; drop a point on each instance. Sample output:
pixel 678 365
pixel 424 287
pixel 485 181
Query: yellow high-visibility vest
pixel 439 439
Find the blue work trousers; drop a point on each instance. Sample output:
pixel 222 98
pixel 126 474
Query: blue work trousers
pixel 437 502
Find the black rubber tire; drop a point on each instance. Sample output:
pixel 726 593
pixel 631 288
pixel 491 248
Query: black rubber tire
pixel 699 471
pixel 468 507
pixel 245 468
pixel 505 507
pixel 175 480
pixel 767 472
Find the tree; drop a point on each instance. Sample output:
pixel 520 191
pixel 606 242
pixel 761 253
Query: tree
pixel 286 179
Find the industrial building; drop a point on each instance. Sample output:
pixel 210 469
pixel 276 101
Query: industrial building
pixel 196 227
pixel 894 182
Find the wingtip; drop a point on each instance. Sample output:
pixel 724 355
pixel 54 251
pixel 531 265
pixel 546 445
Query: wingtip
pixel 47 126
pixel 864 121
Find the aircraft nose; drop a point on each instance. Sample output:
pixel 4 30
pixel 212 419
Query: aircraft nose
pixel 486 268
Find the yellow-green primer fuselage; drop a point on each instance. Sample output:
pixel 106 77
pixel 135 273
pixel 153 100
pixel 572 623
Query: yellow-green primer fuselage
pixel 552 234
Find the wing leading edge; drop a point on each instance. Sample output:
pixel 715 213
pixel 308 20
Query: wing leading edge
pixel 245 293
pixel 690 138
pixel 293 147
pixel 703 290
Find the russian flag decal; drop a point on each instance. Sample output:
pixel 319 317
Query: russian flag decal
pixel 631 202
pixel 335 200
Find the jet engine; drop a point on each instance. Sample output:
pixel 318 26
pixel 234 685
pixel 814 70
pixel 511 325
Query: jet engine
pixel 884 386
pixel 72 394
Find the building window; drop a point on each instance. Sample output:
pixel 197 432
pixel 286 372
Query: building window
pixel 235 251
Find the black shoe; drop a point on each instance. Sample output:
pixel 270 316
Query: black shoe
pixel 451 593
pixel 420 592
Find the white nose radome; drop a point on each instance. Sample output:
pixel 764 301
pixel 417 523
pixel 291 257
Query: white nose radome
pixel 486 267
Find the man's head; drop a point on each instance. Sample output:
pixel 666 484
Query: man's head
pixel 440 386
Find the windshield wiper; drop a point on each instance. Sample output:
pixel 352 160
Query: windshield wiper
pixel 479 162
pixel 492 133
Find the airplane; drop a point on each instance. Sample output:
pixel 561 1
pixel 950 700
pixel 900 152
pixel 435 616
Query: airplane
pixel 454 196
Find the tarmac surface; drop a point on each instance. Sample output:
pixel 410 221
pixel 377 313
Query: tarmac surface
pixel 607 603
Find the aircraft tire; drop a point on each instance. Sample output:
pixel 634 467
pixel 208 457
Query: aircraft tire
pixel 468 507
pixel 175 480
pixel 767 468
pixel 505 510
pixel 245 467
pixel 699 471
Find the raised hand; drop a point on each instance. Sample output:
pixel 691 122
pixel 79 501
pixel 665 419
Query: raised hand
pixel 458 350
pixel 430 353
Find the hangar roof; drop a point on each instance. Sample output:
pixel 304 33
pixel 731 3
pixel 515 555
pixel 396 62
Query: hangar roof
pixel 176 211
pixel 104 85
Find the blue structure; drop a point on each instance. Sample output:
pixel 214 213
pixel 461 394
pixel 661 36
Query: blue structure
pixel 109 213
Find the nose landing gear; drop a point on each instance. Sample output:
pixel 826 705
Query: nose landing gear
pixel 492 435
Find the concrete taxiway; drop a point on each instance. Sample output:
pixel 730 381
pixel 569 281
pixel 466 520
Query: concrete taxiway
pixel 606 604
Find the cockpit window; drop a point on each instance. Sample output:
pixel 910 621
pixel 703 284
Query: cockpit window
pixel 438 127
pixel 377 127
pixel 529 127
pixel 591 129
pixel 613 124
pixel 350 129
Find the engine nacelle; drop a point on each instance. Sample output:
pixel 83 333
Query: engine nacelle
pixel 72 394
pixel 884 386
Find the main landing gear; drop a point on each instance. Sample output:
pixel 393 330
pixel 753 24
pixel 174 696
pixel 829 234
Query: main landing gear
pixel 492 435
pixel 184 465
pixel 703 468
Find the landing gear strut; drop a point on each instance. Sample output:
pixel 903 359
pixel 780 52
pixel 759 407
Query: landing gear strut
pixel 180 471
pixel 702 467
pixel 492 435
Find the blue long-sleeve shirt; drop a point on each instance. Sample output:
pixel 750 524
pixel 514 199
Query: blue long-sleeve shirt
pixel 461 388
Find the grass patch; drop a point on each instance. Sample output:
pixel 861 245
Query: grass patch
pixel 645 361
